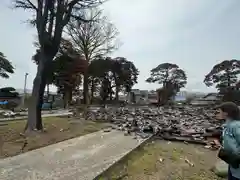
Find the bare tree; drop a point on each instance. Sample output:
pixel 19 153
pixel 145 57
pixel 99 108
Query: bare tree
pixel 97 37
pixel 50 17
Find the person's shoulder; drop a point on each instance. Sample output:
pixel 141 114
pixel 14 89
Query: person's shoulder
pixel 234 126
pixel 234 123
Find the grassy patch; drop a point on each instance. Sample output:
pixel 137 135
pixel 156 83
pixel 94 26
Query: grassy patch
pixel 162 160
pixel 56 129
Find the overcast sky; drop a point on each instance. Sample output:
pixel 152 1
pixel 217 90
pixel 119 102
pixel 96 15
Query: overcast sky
pixel 195 34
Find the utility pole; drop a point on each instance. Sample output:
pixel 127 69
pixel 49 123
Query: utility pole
pixel 24 89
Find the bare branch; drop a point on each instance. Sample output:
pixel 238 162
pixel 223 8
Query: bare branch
pixel 80 4
pixel 52 16
pixel 95 37
pixel 72 3
pixel 25 4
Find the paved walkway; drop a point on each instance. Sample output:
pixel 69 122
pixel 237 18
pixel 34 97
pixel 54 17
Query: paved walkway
pixel 81 158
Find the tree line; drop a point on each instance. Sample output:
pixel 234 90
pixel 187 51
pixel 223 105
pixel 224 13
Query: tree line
pixel 73 47
pixel 171 77
pixel 224 76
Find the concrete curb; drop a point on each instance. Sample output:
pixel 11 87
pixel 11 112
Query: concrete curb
pixel 123 158
pixel 49 145
pixel 25 117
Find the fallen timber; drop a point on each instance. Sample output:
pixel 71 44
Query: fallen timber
pixel 187 123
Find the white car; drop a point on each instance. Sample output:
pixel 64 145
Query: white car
pixel 9 114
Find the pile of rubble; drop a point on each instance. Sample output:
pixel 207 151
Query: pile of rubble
pixel 188 124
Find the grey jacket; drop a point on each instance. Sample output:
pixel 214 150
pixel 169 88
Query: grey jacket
pixel 231 141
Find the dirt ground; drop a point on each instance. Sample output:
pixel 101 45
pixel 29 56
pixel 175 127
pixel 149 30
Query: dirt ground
pixel 56 129
pixel 163 160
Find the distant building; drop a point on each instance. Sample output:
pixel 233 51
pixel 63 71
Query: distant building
pixel 152 97
pixel 142 96
pixel 209 99
pixel 137 96
pixel 53 96
pixel 122 97
pixel 29 92
pixel 181 96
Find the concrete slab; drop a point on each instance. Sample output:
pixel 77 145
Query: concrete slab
pixel 81 158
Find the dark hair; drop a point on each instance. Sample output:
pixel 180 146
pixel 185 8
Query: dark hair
pixel 231 109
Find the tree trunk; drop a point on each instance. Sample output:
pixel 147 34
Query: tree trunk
pixel 64 100
pixel 110 96
pixel 36 100
pixel 116 93
pixel 85 88
pixel 67 97
pixel 47 92
pixel 92 90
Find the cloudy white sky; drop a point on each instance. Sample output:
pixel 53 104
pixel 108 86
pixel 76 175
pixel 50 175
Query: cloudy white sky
pixel 195 34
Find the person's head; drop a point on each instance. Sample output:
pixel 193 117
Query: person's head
pixel 228 110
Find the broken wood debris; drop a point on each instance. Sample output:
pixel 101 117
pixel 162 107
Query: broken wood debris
pixel 187 123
